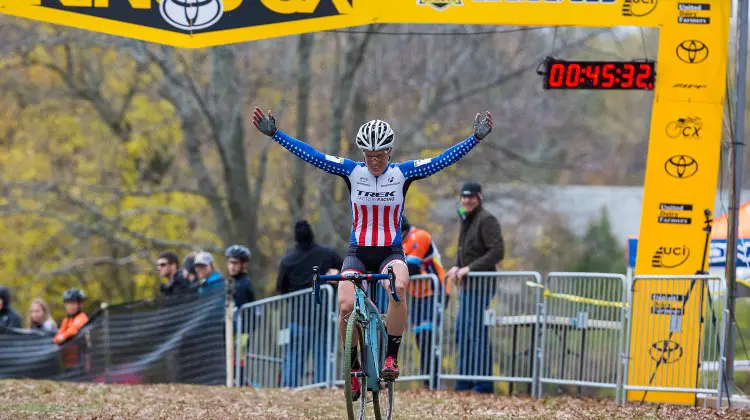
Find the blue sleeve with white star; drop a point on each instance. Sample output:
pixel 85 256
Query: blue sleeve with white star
pixel 331 164
pixel 417 169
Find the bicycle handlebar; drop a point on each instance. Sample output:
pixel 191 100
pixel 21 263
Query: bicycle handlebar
pixel 353 277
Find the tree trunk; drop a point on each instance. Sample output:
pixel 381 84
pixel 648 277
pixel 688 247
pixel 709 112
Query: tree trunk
pixel 326 227
pixel 304 51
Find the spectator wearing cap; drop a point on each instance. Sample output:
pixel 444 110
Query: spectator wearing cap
pixel 480 248
pixel 8 317
pixel 208 276
pixel 167 266
pixel 307 331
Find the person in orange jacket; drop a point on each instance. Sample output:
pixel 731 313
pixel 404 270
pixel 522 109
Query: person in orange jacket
pixel 75 318
pixel 422 257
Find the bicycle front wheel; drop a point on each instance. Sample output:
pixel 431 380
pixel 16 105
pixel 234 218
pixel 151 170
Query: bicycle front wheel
pixel 351 326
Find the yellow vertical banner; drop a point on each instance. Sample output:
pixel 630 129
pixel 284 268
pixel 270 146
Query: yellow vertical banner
pixel 681 177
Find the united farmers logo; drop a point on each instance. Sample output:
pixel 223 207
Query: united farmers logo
pixel 191 16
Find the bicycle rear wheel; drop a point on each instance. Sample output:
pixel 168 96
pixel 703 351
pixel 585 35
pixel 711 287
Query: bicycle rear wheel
pixel 346 370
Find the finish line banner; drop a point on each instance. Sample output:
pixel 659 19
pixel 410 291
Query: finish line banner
pixel 196 24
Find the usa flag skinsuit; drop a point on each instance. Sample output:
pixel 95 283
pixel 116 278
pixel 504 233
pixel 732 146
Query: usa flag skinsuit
pixel 377 202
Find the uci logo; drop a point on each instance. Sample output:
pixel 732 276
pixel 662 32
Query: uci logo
pixel 670 256
pixel 191 14
pixel 638 8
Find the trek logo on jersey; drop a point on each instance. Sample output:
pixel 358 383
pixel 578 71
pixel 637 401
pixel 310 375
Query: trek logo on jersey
pixel 377 196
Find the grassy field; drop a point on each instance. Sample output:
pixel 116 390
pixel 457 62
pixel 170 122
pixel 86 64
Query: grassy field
pixel 58 400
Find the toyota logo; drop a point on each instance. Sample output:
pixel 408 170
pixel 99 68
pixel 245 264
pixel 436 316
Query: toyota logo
pixel 692 51
pixel 681 166
pixel 665 351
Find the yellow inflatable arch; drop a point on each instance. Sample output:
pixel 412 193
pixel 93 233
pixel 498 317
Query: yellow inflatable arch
pixel 686 121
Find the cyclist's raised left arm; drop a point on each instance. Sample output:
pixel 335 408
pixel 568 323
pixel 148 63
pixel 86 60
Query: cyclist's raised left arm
pixel 416 169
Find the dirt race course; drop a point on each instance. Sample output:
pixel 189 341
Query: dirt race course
pixel 58 400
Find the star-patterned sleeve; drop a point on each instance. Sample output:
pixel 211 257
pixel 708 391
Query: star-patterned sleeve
pixel 417 169
pixel 331 164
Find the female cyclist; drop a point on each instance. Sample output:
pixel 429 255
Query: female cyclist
pixel 377 189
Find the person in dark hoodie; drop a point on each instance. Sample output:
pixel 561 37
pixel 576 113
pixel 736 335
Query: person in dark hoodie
pixel 295 273
pixel 8 317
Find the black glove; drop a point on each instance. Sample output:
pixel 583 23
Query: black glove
pixel 264 124
pixel 482 127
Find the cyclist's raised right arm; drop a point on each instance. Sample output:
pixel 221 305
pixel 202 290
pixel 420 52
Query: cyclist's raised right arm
pixel 331 164
pixel 266 124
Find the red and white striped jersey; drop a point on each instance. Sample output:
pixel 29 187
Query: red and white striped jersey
pixel 377 205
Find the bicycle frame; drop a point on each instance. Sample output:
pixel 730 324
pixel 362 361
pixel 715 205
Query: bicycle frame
pixel 367 315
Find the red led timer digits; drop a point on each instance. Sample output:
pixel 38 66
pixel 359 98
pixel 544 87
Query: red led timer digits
pixel 600 75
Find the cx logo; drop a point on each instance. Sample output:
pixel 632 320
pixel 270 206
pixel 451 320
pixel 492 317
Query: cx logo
pixel 692 51
pixel 687 127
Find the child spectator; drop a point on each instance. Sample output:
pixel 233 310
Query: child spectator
pixel 75 318
pixel 40 317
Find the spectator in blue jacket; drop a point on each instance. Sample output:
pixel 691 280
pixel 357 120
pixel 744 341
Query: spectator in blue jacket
pixel 208 276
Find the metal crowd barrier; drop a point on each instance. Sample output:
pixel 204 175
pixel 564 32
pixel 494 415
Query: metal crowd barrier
pixel 419 339
pixel 286 341
pixel 573 329
pixel 489 331
pixel 667 312
pixel 583 327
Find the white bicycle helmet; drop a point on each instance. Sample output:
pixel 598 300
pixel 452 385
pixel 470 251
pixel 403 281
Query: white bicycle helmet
pixel 375 135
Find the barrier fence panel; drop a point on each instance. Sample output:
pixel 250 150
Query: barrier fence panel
pixel 489 331
pixel 583 327
pixel 178 339
pixel 668 311
pixel 286 341
pixel 419 340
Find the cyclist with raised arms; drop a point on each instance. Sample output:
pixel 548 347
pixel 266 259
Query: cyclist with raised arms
pixel 377 189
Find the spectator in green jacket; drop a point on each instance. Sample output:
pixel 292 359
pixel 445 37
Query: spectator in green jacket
pixel 480 248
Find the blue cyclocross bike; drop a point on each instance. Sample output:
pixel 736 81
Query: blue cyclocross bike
pixel 372 340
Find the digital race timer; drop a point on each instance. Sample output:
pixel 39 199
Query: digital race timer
pixel 562 74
